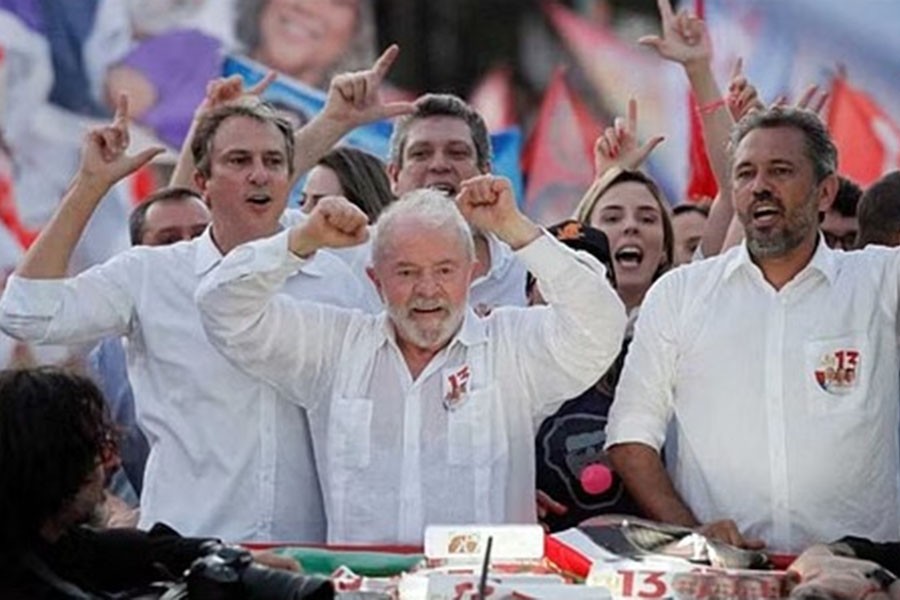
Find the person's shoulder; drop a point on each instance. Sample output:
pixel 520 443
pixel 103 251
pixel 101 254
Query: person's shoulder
pixel 699 271
pixel 872 262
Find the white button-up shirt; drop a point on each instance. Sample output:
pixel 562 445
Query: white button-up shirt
pixel 228 458
pixel 784 402
pixel 503 284
pixel 456 445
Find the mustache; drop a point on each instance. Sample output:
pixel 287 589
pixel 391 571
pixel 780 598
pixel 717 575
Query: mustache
pixel 766 197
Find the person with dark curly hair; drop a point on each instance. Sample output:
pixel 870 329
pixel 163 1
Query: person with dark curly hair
pixel 57 446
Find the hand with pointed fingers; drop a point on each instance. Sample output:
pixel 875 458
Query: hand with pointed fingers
pixel 813 98
pixel 225 90
pixel 354 99
pixel 742 97
pixel 684 39
pixel 727 531
pixel 335 222
pixel 103 157
pixel 618 145
pixel 487 202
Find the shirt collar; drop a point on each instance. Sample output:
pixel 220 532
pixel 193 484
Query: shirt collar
pixel 823 260
pixel 207 254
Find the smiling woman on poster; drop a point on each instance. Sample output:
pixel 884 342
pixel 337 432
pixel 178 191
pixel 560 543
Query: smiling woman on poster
pixel 308 40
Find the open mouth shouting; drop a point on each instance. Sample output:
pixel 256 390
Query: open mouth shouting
pixel 765 214
pixel 259 199
pixel 629 256
pixel 444 186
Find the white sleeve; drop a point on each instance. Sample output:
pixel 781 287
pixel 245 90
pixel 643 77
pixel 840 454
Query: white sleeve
pixel 291 344
pixel 643 403
pixel 566 346
pixel 94 304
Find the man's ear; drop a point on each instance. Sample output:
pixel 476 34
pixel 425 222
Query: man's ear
pixel 393 171
pixel 200 182
pixel 473 269
pixel 373 277
pixel 488 168
pixel 828 188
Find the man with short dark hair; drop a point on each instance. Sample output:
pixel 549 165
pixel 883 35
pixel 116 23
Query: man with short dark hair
pixel 688 225
pixel 169 215
pixel 839 223
pixel 775 361
pixel 440 145
pixel 879 213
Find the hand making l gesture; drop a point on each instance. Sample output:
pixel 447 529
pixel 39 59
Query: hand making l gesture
pixel 354 99
pixel 103 155
pixel 618 145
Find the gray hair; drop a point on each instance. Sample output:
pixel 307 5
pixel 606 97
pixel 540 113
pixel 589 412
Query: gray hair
pixel 428 208
pixel 819 146
pixel 443 105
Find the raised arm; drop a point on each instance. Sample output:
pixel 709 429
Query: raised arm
pixel 685 40
pixel 103 163
pixel 617 148
pixel 354 99
pixel 564 347
pixel 293 345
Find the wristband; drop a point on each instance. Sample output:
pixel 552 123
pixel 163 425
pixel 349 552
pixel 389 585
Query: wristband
pixel 712 106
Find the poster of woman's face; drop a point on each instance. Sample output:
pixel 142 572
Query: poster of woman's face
pixel 309 40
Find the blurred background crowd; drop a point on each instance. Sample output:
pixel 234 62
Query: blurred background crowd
pixel 547 76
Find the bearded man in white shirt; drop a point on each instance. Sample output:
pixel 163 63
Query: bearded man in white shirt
pixel 428 412
pixel 228 458
pixel 776 361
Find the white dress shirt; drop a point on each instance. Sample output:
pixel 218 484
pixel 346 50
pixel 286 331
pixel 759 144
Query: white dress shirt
pixel 503 284
pixel 784 402
pixel 394 458
pixel 228 458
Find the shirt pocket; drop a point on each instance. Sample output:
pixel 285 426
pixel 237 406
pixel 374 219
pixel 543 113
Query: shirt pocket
pixel 350 432
pixel 470 429
pixel 837 374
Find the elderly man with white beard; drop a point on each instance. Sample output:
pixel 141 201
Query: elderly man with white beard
pixel 426 413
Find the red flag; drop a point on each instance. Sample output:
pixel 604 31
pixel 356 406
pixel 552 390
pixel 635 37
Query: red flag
pixel 558 157
pixel 494 98
pixel 9 213
pixel 702 184
pixel 617 71
pixel 868 141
